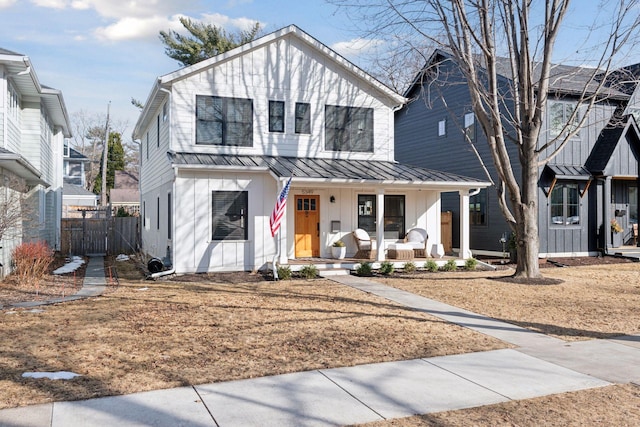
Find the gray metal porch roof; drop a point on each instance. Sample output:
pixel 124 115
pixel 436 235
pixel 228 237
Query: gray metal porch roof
pixel 324 169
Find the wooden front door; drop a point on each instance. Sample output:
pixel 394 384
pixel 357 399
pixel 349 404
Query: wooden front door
pixel 307 226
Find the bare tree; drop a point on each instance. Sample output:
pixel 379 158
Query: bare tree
pixel 14 206
pixel 88 139
pixel 478 34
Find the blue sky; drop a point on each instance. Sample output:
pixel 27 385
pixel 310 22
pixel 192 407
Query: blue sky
pixel 101 51
pixel 97 51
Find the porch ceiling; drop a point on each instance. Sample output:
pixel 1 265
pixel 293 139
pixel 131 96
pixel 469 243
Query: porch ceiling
pixel 329 171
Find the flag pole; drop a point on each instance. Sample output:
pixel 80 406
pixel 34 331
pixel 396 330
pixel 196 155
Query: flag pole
pixel 276 239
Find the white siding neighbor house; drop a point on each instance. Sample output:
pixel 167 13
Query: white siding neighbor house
pixel 33 125
pixel 219 140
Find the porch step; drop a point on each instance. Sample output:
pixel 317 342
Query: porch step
pixel 333 272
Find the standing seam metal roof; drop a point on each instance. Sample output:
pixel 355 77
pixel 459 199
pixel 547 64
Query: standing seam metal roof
pixel 305 167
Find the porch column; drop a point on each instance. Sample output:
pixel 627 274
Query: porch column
pixel 606 214
pixel 465 250
pixel 380 224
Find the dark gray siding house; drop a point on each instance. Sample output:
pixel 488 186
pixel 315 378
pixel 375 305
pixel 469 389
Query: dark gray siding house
pixel 593 180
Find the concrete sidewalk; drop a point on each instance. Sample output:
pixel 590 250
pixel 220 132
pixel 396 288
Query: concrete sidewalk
pixel 540 366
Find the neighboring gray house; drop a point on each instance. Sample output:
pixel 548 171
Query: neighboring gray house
pixel 76 197
pixel 593 181
pixel 33 125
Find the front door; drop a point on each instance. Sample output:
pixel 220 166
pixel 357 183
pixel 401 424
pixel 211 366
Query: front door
pixel 307 226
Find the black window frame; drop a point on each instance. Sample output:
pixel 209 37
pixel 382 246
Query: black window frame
pixel 394 224
pixel 348 129
pixel 224 121
pixel 478 209
pixel 303 118
pixel 276 116
pixel 229 215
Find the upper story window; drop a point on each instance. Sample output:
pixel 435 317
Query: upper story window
pixel 470 126
pixel 442 127
pixel 13 101
pixel 565 204
pixel 559 115
pixel 164 112
pixel 224 121
pixel 303 117
pixel 348 129
pixel 478 208
pixel 276 116
pixel 66 148
pixel 158 131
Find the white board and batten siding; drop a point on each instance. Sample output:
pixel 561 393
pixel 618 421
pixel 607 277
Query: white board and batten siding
pixel 195 251
pixel 285 70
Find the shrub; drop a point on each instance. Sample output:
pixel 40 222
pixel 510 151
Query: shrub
pixel 450 265
pixel 471 264
pixel 409 267
pixel 364 269
pixel 431 266
pixel 386 268
pixel 284 272
pixel 309 272
pixel 31 261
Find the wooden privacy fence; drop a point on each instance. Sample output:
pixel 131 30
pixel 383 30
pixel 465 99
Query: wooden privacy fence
pixel 100 236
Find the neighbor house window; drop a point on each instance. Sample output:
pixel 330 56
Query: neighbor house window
pixel 559 114
pixel 565 204
pixel 303 117
pixel 158 131
pixel 470 126
pixel 147 146
pixel 478 208
pixel 394 217
pixel 348 129
pixel 164 112
pixel 158 214
pixel 229 215
pixel 224 121
pixel 442 127
pixel 633 205
pixel 169 216
pixel 276 116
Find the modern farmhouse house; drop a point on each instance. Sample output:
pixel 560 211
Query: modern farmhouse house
pixel 33 125
pixel 219 140
pixel 592 182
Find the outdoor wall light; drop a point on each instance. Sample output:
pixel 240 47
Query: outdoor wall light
pixel 332 199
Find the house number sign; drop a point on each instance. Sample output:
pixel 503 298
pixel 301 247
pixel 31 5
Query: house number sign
pixel 307 191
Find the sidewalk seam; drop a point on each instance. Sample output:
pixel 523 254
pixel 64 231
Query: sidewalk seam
pixel 354 397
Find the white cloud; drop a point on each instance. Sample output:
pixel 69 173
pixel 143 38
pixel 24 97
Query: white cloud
pixel 131 28
pixel 226 22
pixel 52 4
pixel 357 47
pixel 6 3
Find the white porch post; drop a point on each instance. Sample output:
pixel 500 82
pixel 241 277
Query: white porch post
pixel 380 224
pixel 465 249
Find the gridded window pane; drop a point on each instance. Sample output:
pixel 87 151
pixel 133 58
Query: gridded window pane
pixel 276 116
pixel 633 205
pixel 469 126
pixel 303 118
pixel 394 217
pixel 478 208
pixel 348 129
pixel 559 115
pixel 565 204
pixel 367 213
pixel 229 215
pixel 224 121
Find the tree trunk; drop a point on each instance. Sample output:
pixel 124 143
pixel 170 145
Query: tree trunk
pixel 527 239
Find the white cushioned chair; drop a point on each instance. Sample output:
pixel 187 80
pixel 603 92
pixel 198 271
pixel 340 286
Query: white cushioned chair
pixel 366 246
pixel 417 238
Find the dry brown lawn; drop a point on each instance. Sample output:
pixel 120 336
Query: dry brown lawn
pixel 144 335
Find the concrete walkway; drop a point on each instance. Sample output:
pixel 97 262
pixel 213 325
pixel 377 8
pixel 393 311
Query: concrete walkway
pixel 93 285
pixel 540 366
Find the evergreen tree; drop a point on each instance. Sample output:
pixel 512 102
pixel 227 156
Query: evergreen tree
pixel 115 162
pixel 204 41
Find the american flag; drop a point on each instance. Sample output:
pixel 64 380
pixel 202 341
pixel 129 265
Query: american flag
pixel 278 209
